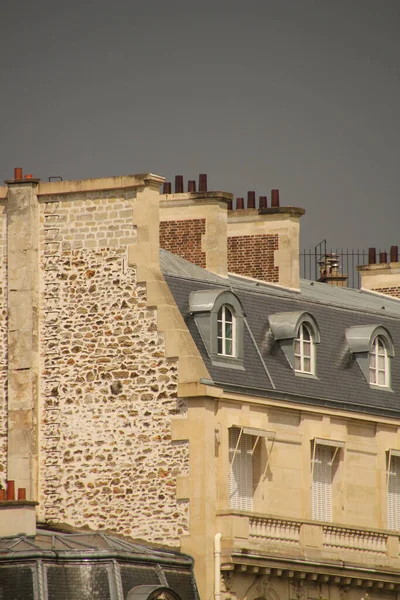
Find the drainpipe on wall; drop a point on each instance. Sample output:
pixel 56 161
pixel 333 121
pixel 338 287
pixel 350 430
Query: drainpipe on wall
pixel 217 566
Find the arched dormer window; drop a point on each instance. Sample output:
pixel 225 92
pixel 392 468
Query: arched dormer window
pixel 219 317
pixel 226 326
pixel 379 362
pixel 304 350
pixel 298 334
pixel 372 347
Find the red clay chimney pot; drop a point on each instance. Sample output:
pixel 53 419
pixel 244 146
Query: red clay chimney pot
pixel 11 490
pixel 21 494
pixel 191 186
pixel 18 173
pixel 274 198
pixel 229 205
pixel 251 199
pixel 383 257
pixel 178 184
pixel 166 187
pixel 394 254
pixel 239 203
pixel 371 256
pixel 263 202
pixel 202 182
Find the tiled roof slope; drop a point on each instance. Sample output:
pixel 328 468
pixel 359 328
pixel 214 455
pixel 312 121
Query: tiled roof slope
pixel 340 382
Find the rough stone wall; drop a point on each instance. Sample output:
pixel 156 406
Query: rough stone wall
pixel 108 390
pixel 253 256
pixel 389 291
pixel 3 343
pixel 184 239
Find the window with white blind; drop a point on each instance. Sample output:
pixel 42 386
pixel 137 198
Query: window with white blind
pixel 322 468
pixel 393 492
pixel 248 463
pixel 240 470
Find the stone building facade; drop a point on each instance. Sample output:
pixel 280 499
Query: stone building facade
pixel 157 395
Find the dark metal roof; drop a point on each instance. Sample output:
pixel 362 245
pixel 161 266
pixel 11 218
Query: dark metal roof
pixel 85 544
pixel 81 566
pixel 340 382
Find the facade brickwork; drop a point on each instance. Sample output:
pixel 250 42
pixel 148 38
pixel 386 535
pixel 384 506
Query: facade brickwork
pixel 108 390
pixel 3 344
pixel 389 291
pixel 253 256
pixel 184 238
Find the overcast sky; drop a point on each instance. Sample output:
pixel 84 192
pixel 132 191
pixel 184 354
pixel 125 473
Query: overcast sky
pixel 299 95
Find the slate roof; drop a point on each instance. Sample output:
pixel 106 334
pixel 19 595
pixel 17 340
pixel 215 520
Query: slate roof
pixel 340 383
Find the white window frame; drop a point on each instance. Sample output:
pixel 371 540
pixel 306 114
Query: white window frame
pixel 323 457
pixel 393 490
pixel 224 338
pixel 379 352
pixel 300 345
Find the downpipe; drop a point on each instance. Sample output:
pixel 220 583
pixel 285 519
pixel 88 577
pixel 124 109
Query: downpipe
pixel 217 566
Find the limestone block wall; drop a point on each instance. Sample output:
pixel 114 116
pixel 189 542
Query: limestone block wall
pixel 3 343
pixel 108 391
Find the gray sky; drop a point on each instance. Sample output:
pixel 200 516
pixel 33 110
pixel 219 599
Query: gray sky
pixel 299 95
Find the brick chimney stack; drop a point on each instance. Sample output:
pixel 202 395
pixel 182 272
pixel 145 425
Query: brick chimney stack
pixel 194 224
pixel 263 242
pixel 382 277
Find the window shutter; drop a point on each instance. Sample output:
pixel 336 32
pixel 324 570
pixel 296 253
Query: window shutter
pixel 393 506
pixel 322 484
pixel 241 471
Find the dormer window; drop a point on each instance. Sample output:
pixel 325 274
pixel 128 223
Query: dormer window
pixel 226 331
pixel 372 347
pixel 297 333
pixel 379 363
pixel 304 350
pixel 219 317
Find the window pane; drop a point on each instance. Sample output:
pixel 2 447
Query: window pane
pixel 219 345
pixel 297 363
pixel 219 329
pixel 307 365
pixel 297 347
pixel 306 333
pixel 228 315
pixel 372 376
pixel 228 347
pixel 381 378
pixel 307 349
pixel 228 330
pixel 381 362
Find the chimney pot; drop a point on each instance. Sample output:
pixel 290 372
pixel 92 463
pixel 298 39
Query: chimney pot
pixel 178 184
pixel 202 182
pixel 394 254
pixel 251 199
pixel 383 257
pixel 274 198
pixel 263 202
pixel 191 186
pixel 371 256
pixel 28 176
pixel 239 203
pixel 229 205
pixel 21 493
pixel 166 187
pixel 18 173
pixel 11 489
